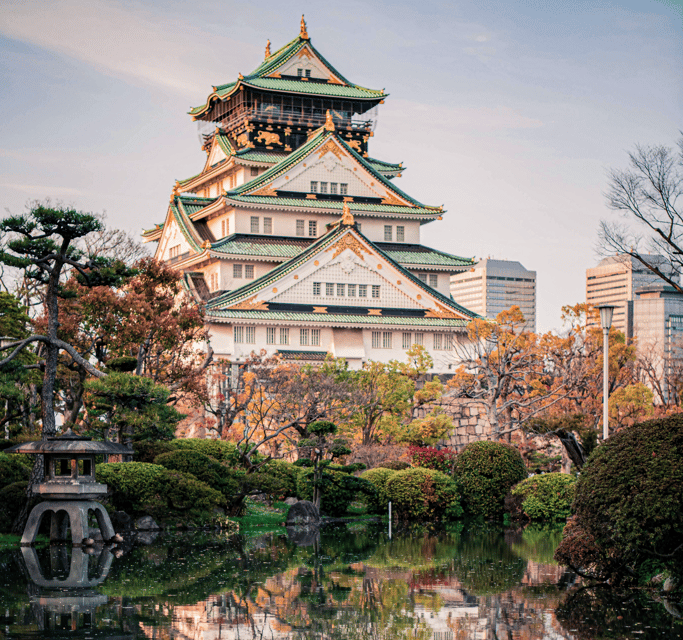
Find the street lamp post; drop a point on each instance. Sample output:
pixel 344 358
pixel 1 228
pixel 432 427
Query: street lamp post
pixel 606 312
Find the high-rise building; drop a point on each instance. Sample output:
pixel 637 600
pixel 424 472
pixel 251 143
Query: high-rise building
pixel 293 238
pixel 658 325
pixel 615 280
pixel 492 286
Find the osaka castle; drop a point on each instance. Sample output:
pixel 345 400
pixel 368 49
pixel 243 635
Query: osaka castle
pixel 293 237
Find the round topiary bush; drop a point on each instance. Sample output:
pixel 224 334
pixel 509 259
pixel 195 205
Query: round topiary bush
pixel 12 470
pixel 546 497
pixel 629 504
pixel 396 465
pixel 147 450
pixel 170 497
pixel 12 498
pixel 423 495
pixel 486 471
pixel 378 477
pixel 283 476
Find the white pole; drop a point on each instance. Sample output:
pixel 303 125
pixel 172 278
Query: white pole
pixel 605 384
pixel 390 520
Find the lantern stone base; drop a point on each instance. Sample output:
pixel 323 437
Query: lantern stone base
pixel 64 515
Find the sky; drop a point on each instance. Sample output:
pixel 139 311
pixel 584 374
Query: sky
pixel 510 113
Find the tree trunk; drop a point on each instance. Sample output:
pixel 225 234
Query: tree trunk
pixel 573 447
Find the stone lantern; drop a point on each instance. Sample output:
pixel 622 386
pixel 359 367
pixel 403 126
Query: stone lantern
pixel 69 490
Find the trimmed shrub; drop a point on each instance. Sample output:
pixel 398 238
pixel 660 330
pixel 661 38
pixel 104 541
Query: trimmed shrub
pixel 12 498
pixel 339 489
pixel 423 495
pixel 546 497
pixel 284 475
pixel 170 497
pixel 433 458
pixel 204 468
pixel 486 471
pixel 219 449
pixel 629 502
pixel 378 477
pixel 12 470
pixel 395 465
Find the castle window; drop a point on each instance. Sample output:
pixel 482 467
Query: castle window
pixel 340 290
pixel 308 73
pixel 312 228
pixel 174 252
pixel 333 188
pixel 438 341
pixel 387 233
pixel 300 72
pixel 249 271
pixel 329 289
pixel 375 291
pixel 343 189
pixel 315 337
pixel 386 340
pixel 270 335
pixel 316 288
pixel 254 224
pixel 225 227
pixel 239 334
pixel 323 187
pixel 406 340
pixel 250 337
pixel 300 227
pixel 303 337
pixel 433 280
pixel 423 277
pixel 254 171
pixel 376 339
pixel 362 290
pixel 419 338
pixel 267 225
pixel 400 234
pixel 352 291
pixel 236 270
pixel 284 336
pixel 314 186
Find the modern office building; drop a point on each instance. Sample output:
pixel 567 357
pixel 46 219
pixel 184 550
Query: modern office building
pixel 492 286
pixel 614 281
pixel 658 325
pixel 293 238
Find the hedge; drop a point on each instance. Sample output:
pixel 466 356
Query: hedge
pixel 486 472
pixel 421 495
pixel 378 477
pixel 339 489
pixel 12 470
pixel 170 497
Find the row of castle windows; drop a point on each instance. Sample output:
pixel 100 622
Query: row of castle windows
pixel 346 290
pixel 311 337
pixel 429 278
pixel 336 188
pixel 389 233
pixel 256 225
pixel 312 228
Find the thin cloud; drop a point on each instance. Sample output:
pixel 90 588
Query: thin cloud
pixel 127 42
pixel 34 189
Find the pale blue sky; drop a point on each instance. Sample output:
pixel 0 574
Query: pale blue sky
pixel 507 112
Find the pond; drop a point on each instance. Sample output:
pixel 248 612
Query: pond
pixel 351 581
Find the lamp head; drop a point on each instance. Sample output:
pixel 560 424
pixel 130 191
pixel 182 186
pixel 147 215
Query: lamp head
pixel 606 312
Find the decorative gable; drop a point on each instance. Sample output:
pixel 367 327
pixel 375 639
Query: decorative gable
pixel 216 155
pixel 305 64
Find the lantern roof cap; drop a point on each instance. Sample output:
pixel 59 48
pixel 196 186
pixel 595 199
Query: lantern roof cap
pixel 69 443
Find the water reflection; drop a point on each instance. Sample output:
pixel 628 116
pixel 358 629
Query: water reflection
pixel 475 582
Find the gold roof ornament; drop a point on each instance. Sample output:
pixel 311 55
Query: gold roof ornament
pixel 347 216
pixel 267 48
pixel 303 34
pixel 329 123
pixel 176 190
pixel 206 244
pixel 240 76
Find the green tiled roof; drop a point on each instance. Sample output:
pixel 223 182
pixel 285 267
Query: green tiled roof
pixel 225 144
pixel 265 246
pixel 259 156
pixel 242 293
pixel 380 165
pixel 257 79
pixel 415 254
pixel 287 316
pixel 310 147
pixel 332 205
